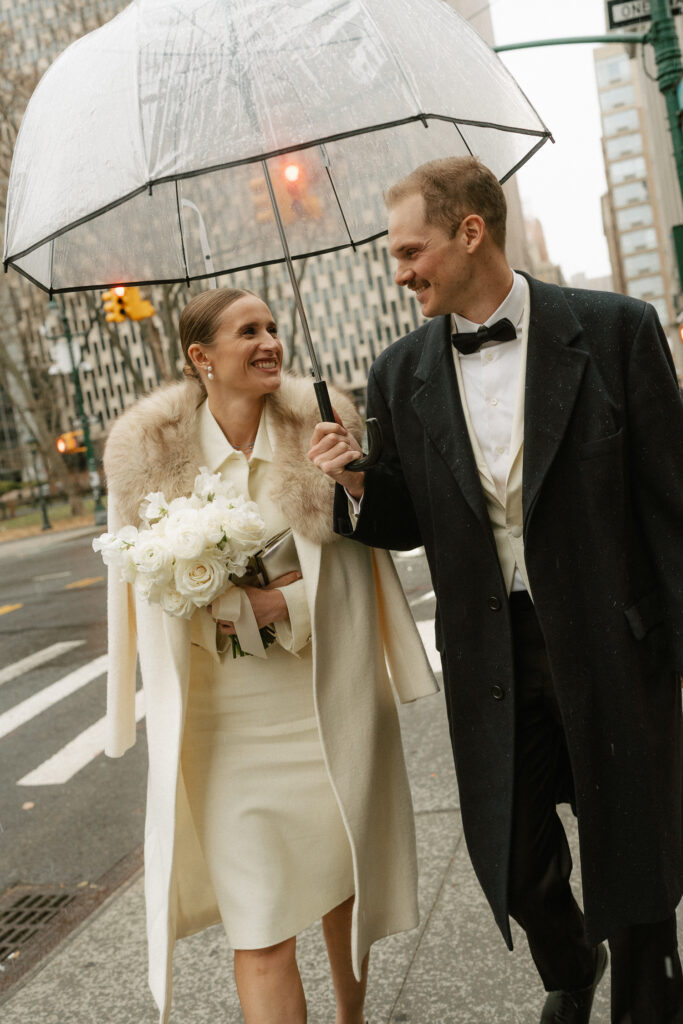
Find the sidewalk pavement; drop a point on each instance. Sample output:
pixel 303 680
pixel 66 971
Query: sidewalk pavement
pixel 453 969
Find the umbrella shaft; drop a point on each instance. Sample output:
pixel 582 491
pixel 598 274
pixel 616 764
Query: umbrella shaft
pixel 292 276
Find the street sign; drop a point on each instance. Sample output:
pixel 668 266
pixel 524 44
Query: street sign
pixel 631 12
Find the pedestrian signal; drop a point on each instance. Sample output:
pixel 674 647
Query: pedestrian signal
pixel 135 307
pixel 114 304
pixel 70 442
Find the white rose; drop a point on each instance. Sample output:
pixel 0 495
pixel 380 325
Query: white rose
pixel 244 527
pixel 201 579
pixel 213 522
pixel 176 604
pixel 185 534
pixel 154 507
pixel 153 556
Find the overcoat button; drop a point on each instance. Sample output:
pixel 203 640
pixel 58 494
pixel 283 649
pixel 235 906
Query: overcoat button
pixel 497 692
pixel 494 604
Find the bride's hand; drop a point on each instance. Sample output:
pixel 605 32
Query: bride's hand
pixel 268 603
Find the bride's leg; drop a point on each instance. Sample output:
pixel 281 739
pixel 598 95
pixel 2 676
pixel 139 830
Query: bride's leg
pixel 269 985
pixel 349 993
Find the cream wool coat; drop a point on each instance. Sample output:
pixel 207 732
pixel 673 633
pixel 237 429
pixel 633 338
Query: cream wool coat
pixel 361 624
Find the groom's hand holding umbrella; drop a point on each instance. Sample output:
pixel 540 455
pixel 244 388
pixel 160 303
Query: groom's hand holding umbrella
pixel 332 449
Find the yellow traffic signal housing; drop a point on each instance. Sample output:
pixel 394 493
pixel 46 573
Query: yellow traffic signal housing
pixel 70 442
pixel 261 200
pixel 136 308
pixel 114 305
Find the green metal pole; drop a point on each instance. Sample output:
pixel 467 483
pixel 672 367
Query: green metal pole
pixel 670 71
pixel 100 511
pixel 623 37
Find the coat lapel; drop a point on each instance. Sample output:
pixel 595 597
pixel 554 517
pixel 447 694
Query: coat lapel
pixel 437 403
pixel 553 375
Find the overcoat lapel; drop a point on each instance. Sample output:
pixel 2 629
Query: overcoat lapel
pixel 438 405
pixel 553 374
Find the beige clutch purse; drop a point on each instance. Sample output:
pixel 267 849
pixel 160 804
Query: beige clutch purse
pixel 277 557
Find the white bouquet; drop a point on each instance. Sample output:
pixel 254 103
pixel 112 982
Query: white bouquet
pixel 187 550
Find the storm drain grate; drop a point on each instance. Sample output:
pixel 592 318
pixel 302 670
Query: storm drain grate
pixel 24 917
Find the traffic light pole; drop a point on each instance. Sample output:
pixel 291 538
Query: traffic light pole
pixel 100 511
pixel 664 40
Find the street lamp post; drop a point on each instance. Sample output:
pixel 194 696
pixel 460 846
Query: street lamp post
pixel 33 447
pixel 94 476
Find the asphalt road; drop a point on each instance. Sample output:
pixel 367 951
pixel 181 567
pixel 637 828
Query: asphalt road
pixel 67 813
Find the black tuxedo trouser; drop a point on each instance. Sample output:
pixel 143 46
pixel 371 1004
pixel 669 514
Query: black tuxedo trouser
pixel 646 980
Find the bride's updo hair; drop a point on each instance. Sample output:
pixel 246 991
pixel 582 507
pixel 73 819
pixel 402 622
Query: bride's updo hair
pixel 200 320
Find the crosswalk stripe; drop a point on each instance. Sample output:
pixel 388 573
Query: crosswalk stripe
pixel 426 631
pixel 63 765
pixel 37 658
pixel 45 698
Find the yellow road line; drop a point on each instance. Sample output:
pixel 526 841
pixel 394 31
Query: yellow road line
pixel 83 583
pixel 5 608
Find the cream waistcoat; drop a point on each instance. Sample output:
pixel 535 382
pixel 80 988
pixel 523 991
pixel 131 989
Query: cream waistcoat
pixel 505 504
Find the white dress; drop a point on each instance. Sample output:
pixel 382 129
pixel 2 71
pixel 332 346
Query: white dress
pixel 266 815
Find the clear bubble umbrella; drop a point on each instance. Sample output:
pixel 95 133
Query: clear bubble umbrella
pixel 184 140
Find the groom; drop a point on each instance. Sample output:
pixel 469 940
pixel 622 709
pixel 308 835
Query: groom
pixel 533 443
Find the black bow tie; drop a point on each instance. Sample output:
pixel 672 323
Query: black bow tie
pixel 468 342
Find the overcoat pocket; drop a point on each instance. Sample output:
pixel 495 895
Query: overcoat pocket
pixel 600 445
pixel 645 614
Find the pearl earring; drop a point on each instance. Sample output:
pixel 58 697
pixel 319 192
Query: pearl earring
pixel 209 372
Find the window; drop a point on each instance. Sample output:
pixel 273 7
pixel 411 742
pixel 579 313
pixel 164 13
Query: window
pixel 635 217
pixel 635 241
pixel 627 169
pixel 642 263
pixel 646 287
pixel 624 145
pixel 633 192
pixel 622 121
pixel 613 70
pixel 615 98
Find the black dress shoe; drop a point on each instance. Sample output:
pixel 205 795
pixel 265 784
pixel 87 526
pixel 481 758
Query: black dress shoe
pixel 575 1007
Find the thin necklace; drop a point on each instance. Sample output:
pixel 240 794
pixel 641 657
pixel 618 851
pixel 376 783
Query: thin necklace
pixel 243 447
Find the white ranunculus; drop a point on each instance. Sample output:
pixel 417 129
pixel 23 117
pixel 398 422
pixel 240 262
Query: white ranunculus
pixel 175 603
pixel 245 528
pixel 208 485
pixel 109 545
pixel 201 579
pixel 126 564
pixel 185 534
pixel 154 557
pixel 154 507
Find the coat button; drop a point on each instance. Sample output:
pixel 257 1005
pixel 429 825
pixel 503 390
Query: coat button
pixel 497 692
pixel 494 604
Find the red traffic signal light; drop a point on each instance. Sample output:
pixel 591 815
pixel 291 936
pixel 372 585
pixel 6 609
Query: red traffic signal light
pixel 294 192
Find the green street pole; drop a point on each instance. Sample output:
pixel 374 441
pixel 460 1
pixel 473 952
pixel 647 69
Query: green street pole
pixel 662 35
pixel 100 510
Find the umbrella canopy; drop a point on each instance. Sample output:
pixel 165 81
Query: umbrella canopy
pixel 143 152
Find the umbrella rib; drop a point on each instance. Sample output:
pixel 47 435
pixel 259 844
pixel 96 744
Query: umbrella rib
pixel 341 210
pixel 520 163
pixel 182 237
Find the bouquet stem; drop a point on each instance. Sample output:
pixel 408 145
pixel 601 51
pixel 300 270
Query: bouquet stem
pixel 267 638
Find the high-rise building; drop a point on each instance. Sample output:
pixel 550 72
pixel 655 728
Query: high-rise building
pixel 643 201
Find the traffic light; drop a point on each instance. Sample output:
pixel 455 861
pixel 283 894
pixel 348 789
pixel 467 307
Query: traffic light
pixel 70 442
pixel 292 186
pixel 114 304
pixel 136 308
pixel 680 331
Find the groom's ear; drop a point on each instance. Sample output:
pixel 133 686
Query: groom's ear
pixel 473 230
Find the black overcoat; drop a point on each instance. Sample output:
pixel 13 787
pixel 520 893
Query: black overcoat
pixel 603 541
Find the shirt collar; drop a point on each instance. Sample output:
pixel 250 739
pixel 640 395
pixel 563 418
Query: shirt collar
pixel 511 307
pixel 216 449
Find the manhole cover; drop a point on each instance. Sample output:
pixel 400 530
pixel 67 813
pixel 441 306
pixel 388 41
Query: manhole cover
pixel 23 913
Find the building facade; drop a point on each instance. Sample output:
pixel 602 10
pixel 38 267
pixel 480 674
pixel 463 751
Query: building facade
pixel 643 200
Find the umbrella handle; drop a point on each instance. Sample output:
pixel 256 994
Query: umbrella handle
pixel 373 428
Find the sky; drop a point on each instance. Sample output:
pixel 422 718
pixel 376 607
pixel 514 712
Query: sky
pixel 562 184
